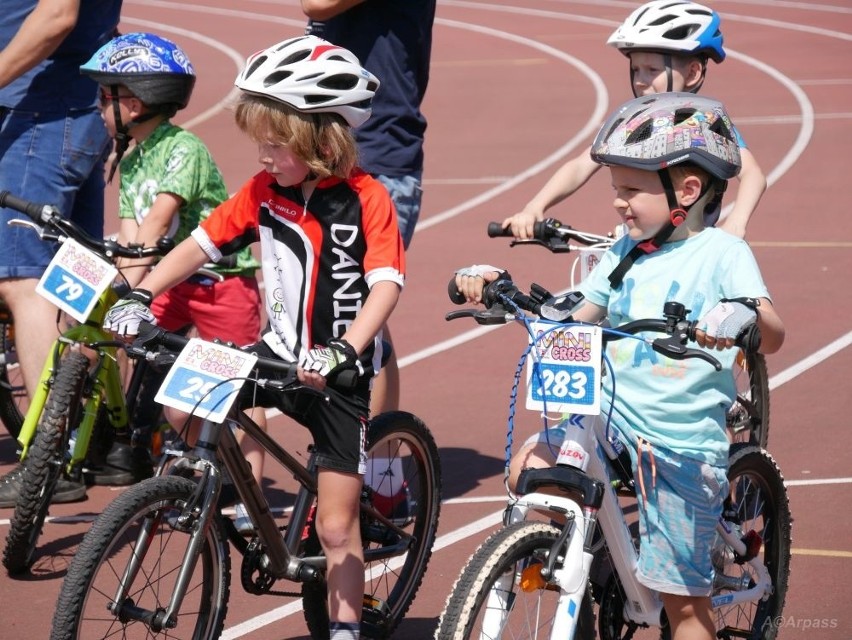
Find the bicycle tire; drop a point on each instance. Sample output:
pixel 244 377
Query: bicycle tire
pixel 13 394
pixel 761 502
pixel 530 614
pixel 391 583
pixel 45 461
pixel 748 417
pixel 83 609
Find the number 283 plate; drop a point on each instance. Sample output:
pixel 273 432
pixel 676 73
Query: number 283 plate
pixel 564 369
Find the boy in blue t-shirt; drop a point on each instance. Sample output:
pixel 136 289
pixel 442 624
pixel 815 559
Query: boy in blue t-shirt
pixel 669 155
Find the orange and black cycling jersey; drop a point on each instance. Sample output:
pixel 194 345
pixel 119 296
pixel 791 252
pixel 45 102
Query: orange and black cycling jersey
pixel 319 257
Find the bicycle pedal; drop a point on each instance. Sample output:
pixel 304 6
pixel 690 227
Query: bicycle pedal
pixel 375 611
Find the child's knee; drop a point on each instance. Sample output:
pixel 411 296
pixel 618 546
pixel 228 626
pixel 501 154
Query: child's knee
pixel 530 455
pixel 337 530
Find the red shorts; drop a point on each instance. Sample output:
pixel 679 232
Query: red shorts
pixel 228 310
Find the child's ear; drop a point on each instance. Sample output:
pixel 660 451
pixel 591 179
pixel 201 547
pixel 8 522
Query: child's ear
pixel 694 73
pixel 690 190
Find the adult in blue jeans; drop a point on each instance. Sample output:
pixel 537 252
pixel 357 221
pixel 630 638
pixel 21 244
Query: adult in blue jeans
pixel 53 144
pixel 393 40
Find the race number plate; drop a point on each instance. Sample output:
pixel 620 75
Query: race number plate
pixel 75 279
pixel 564 369
pixel 205 379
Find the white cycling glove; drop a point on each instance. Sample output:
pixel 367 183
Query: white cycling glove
pixel 728 319
pixel 478 270
pixel 127 314
pixel 336 356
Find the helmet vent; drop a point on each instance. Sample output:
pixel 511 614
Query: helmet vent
pixel 295 57
pixel 254 65
pixel 642 132
pixel 276 76
pixel 341 81
pixel 682 32
pixel 682 115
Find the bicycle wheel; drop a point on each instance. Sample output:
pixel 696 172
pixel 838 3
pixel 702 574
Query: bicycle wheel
pixel 45 461
pixel 502 594
pixel 748 417
pixel 759 499
pixel 86 608
pixel 13 394
pixel 403 482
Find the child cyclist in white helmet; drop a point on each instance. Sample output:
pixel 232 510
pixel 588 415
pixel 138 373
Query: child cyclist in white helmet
pixel 320 222
pixel 668 44
pixel 669 157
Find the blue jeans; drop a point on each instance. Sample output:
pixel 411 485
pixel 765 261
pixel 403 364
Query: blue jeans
pixel 407 194
pixel 54 158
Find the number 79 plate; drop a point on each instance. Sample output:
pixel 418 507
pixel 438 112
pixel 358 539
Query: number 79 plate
pixel 564 369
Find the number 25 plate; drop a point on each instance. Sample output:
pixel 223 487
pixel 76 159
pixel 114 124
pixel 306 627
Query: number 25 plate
pixel 564 369
pixel 205 379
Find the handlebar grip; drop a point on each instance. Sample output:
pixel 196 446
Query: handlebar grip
pixel 496 230
pixel 345 380
pixel 453 291
pixel 31 209
pixel 750 339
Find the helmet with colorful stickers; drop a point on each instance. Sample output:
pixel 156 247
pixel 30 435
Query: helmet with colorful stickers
pixel 665 129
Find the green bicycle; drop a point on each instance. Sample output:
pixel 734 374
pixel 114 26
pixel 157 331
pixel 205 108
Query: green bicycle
pixel 81 390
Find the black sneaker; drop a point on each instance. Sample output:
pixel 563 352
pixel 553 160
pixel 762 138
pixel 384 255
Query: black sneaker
pixel 123 465
pixel 65 491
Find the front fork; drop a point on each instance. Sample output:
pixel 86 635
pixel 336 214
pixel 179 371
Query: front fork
pixel 567 565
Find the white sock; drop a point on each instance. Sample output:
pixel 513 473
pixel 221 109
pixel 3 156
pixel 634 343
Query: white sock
pixel 344 631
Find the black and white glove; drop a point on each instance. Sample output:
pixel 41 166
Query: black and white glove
pixel 127 314
pixel 728 319
pixel 336 356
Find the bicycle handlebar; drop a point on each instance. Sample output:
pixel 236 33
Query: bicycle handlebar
pixel 503 300
pixel 551 234
pixel 44 215
pixel 150 336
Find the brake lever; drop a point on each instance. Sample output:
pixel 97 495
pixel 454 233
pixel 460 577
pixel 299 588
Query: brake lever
pixel 675 349
pixel 39 229
pixel 497 314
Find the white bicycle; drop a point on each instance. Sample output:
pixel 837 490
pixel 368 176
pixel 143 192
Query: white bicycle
pixel 536 579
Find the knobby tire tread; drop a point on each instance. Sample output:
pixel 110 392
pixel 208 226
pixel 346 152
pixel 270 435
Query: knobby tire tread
pixel 755 462
pixel 43 465
pixel 485 566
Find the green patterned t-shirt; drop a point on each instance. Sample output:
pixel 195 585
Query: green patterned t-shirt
pixel 173 160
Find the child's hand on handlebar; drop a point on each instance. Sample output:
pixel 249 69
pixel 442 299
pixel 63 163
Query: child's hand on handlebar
pixel 522 224
pixel 723 324
pixel 127 314
pixel 321 362
pixel 470 281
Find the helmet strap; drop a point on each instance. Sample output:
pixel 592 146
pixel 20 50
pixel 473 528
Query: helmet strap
pixel 122 131
pixel 677 215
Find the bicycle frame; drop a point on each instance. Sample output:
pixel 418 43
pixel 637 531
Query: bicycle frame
pixel 642 605
pixel 105 384
pixel 217 441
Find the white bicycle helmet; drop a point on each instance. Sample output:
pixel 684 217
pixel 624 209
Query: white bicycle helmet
pixel 655 132
pixel 673 26
pixel 313 76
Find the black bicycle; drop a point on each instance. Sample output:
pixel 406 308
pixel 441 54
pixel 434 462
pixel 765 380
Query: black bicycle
pixel 157 560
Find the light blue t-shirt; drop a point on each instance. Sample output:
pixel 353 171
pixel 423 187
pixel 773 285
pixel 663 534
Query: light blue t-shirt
pixel 677 404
